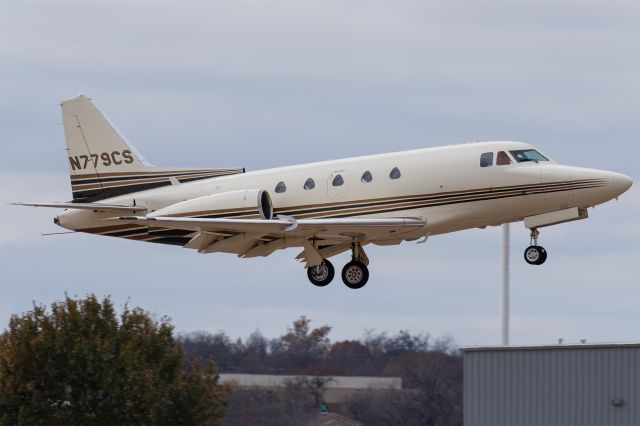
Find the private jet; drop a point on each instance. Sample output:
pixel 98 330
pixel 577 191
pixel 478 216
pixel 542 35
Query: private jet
pixel 323 208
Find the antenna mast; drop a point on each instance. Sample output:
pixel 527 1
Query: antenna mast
pixel 505 284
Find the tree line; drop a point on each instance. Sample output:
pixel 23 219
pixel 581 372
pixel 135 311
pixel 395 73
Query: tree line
pixel 430 368
pixel 80 362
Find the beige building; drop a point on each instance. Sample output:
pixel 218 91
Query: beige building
pixel 338 389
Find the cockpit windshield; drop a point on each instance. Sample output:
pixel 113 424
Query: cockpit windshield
pixel 522 155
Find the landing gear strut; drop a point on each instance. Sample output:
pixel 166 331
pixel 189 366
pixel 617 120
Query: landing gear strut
pixel 535 254
pixel 355 274
pixel 322 274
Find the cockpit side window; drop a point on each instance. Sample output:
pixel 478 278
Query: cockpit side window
pixel 486 159
pixel 502 159
pixel 523 155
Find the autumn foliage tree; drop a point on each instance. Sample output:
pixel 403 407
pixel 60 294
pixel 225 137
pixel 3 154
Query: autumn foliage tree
pixel 430 369
pixel 80 363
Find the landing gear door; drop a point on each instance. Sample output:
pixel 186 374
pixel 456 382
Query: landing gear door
pixel 338 185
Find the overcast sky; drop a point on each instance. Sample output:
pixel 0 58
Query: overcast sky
pixel 268 83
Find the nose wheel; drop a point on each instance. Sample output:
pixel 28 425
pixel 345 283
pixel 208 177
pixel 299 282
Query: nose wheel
pixel 535 254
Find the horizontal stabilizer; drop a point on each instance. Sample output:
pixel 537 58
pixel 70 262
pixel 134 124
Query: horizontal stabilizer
pixel 85 206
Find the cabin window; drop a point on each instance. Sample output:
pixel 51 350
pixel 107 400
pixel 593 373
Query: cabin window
pixel 337 181
pixel 502 159
pixel 486 159
pixel 366 177
pixel 523 155
pixel 281 187
pixel 395 173
pixel 309 184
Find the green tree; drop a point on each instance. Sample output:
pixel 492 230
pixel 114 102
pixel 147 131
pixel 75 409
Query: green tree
pixel 81 364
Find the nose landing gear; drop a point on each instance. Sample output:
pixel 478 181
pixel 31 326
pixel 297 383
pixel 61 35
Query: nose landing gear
pixel 535 254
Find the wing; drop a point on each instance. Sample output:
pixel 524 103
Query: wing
pixel 320 238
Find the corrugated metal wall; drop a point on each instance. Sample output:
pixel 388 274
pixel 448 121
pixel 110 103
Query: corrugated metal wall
pixel 552 386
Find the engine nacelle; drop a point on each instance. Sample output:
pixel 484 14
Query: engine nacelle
pixel 247 204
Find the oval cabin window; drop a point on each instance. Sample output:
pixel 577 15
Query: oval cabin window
pixel 337 181
pixel 395 173
pixel 281 187
pixel 309 184
pixel 366 177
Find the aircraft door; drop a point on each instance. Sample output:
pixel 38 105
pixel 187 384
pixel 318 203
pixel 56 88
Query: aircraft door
pixel 338 185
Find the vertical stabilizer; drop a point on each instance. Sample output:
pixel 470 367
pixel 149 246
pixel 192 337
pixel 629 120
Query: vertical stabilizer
pixel 102 164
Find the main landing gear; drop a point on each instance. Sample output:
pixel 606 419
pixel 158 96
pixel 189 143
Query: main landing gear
pixel 535 254
pixel 355 274
pixel 322 274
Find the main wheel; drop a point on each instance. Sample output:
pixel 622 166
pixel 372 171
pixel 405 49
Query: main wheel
pixel 355 274
pixel 322 274
pixel 535 255
pixel 544 256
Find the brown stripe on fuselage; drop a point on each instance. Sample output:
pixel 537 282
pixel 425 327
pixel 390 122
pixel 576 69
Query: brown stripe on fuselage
pixel 388 207
pixel 436 194
pixel 242 210
pixel 102 229
pixel 516 190
pixel 361 207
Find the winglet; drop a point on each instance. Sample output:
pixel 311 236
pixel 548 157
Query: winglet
pixel 84 206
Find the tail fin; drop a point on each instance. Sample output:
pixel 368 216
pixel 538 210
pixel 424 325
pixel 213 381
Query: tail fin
pixel 102 164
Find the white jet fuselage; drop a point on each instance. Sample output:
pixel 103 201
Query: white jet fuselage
pixel 445 185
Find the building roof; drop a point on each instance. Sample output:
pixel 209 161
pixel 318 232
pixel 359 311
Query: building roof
pixel 334 382
pixel 548 347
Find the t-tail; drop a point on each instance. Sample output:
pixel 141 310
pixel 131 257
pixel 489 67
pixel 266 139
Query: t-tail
pixel 102 164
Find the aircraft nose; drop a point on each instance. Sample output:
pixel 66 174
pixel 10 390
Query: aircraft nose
pixel 619 182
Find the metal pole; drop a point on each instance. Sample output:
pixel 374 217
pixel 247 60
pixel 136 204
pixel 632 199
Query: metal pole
pixel 505 284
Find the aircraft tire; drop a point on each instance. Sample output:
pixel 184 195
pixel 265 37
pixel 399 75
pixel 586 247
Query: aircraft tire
pixel 535 255
pixel 355 275
pixel 322 274
pixel 543 258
